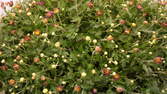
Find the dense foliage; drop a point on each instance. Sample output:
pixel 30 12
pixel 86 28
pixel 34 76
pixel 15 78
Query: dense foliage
pixel 83 47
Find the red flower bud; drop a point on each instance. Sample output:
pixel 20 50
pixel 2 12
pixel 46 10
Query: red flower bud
pixel 49 14
pixel 4 68
pixel 139 6
pixel 90 4
pixel 120 89
pixel 122 21
pixel 41 3
pixel 13 32
pixel 99 13
pixel 158 60
pixel 27 38
pixel 164 24
pixel 16 67
pixel 36 59
pixel 106 71
pixel 94 91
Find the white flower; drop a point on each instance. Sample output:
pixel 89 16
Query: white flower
pixel 165 36
pixel 163 91
pixel 105 53
pixel 55 55
pixel 21 61
pixel 164 61
pixel 34 2
pixel 109 61
pixel 83 74
pixel 112 41
pixel 94 41
pixel 127 56
pixel 116 46
pixel 57 44
pixel 19 44
pixel 44 40
pixel 33 74
pixel 34 22
pixel 14 60
pixel 44 34
pixel 30 4
pixel 53 66
pixel 93 71
pixel 53 33
pixel 124 5
pixel 62 9
pixel 115 62
pixel 114 73
pixel 108 68
pixel 162 14
pixel 16 86
pixel 0 52
pixel 29 13
pixel 22 79
pixel 112 24
pixel 111 30
pixel 150 53
pixel 3 45
pixel 46 10
pixel 3 61
pixel 105 65
pixel 133 24
pixel 139 34
pixel 62 56
pixel 16 46
pixel 50 92
pixel 132 81
pixel 122 51
pixel 45 91
pixel 13 93
pixel 136 44
pixel 32 86
pixel 65 60
pixel 40 17
pixel 63 82
pixel 158 69
pixel 42 55
pixel 88 38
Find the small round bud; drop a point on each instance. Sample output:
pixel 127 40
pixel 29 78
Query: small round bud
pixel 22 79
pixel 45 90
pixel 77 88
pixel 119 89
pixel 87 38
pixel 98 49
pixel 93 71
pixel 134 25
pixel 29 13
pixel 83 74
pixel 94 41
pixel 53 66
pixel 57 44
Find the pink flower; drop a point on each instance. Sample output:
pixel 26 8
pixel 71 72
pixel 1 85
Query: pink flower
pixel 40 3
pixel 139 6
pixel 49 14
pixel 120 89
pixel 164 24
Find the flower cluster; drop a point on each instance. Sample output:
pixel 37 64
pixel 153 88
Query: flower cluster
pixel 78 46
